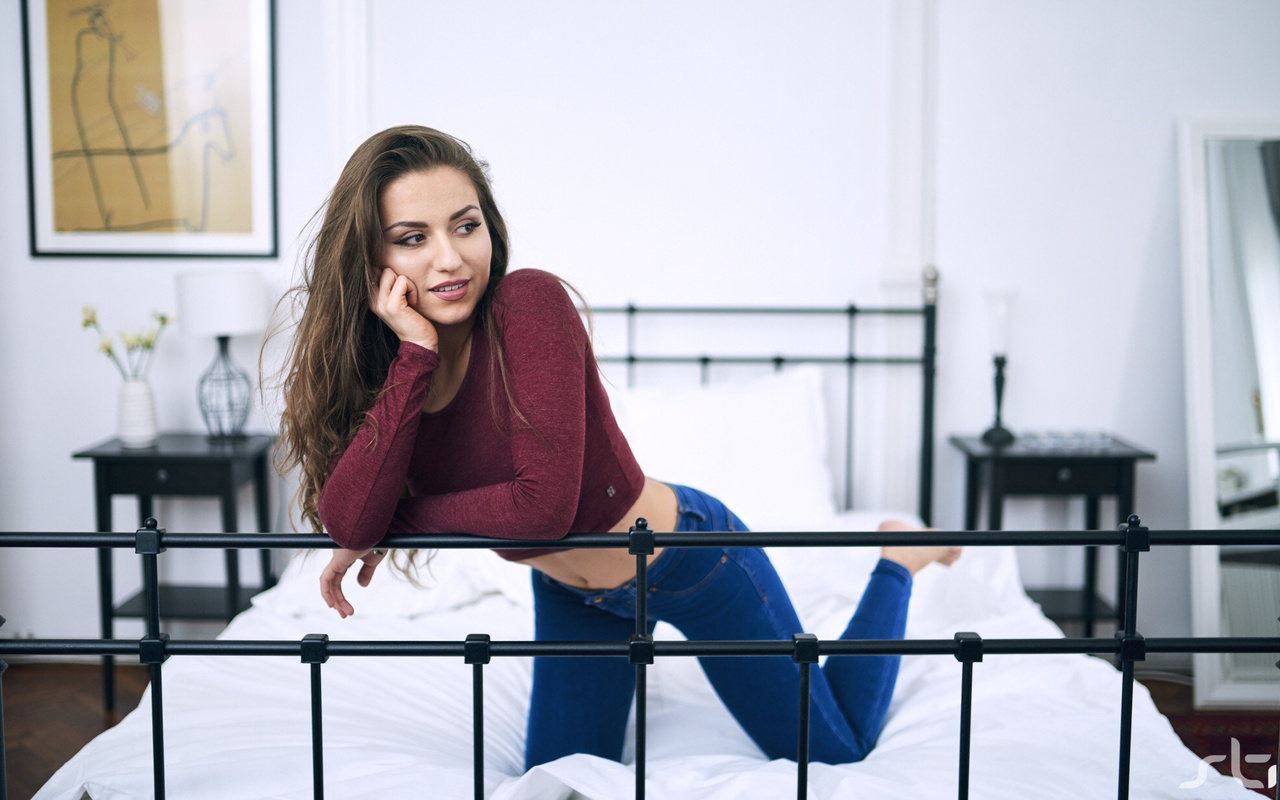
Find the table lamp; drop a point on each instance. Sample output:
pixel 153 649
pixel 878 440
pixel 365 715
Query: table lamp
pixel 222 304
pixel 998 306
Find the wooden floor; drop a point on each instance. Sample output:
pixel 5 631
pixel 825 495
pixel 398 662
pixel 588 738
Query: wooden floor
pixel 52 710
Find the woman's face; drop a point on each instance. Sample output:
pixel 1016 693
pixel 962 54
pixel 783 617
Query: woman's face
pixel 434 234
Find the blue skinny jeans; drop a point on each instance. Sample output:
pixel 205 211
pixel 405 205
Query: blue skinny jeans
pixel 581 705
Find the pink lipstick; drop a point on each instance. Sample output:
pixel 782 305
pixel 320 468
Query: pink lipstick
pixel 451 291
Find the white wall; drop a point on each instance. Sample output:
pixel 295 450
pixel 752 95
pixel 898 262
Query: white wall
pixel 674 153
pixel 715 152
pixel 58 392
pixel 1058 177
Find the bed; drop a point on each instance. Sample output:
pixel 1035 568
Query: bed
pixel 1043 726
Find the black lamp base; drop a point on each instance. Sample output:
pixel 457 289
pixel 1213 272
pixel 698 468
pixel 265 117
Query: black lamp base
pixel 998 436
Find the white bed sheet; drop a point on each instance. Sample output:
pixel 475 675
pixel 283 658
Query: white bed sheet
pixel 238 727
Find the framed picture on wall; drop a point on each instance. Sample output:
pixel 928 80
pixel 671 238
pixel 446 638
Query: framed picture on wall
pixel 151 127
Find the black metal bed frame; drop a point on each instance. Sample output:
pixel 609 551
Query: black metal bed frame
pixel 154 648
pixel 927 361
pixel 969 648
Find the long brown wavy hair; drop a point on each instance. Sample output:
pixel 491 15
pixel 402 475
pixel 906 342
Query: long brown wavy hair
pixel 340 356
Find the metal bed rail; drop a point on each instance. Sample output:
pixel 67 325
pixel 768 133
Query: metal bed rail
pixel 967 647
pixel 925 360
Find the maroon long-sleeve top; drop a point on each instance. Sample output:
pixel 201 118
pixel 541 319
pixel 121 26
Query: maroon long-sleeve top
pixel 474 466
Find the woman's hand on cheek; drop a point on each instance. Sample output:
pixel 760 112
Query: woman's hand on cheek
pixel 393 301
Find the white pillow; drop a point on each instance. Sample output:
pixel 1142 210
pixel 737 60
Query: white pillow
pixel 760 446
pixel 451 580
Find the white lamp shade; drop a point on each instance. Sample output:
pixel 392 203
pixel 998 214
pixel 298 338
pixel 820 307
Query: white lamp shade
pixel 226 303
pixel 999 307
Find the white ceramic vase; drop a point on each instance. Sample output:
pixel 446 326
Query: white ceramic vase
pixel 136 414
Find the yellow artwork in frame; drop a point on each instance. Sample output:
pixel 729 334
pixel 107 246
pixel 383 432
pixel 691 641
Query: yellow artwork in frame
pixel 151 127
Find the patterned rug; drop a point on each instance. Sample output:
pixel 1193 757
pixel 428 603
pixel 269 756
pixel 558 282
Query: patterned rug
pixel 1247 744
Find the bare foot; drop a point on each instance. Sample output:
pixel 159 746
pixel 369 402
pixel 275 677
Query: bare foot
pixel 917 558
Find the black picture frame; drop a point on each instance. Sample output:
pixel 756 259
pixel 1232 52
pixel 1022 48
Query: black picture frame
pixel 151 133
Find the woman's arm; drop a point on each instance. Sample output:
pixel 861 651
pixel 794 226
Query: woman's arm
pixel 547 359
pixel 360 496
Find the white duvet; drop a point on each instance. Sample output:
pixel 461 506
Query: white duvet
pixel 238 727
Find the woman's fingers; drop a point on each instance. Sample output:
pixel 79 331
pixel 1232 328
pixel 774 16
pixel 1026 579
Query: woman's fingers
pixel 404 293
pixel 382 300
pixel 331 580
pixel 394 301
pixel 385 279
pixel 397 298
pixel 331 590
pixel 339 563
pixel 381 296
pixel 371 562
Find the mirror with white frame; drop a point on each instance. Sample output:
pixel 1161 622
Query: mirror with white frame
pixel 1230 187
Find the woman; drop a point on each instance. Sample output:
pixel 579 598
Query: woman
pixel 430 392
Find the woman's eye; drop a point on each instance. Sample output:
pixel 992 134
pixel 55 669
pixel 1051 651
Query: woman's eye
pixel 411 239
pixel 468 227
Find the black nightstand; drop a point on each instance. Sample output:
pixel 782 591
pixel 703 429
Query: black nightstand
pixel 1090 465
pixel 181 464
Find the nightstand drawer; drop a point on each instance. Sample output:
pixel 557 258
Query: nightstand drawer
pixel 188 479
pixel 1029 477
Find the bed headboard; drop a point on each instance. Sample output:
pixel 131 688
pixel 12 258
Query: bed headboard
pixel 851 357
